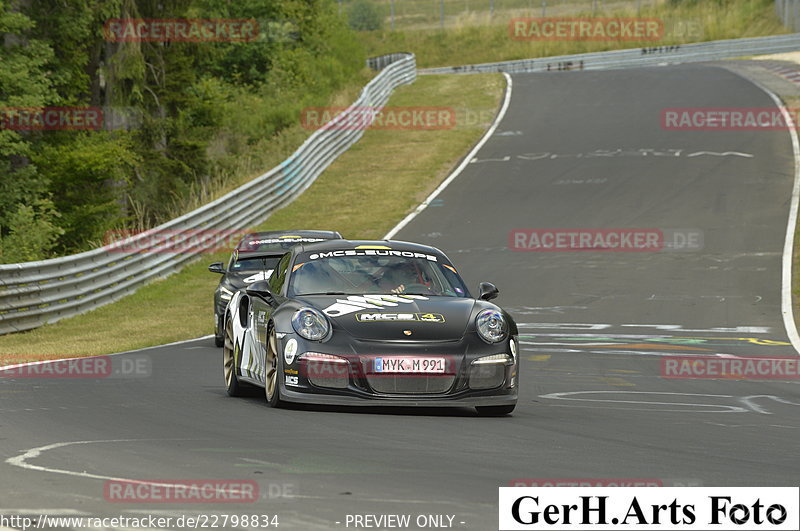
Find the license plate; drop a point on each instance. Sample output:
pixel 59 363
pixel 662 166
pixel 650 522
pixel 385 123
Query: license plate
pixel 407 364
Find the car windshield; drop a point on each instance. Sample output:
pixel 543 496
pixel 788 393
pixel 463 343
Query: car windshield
pixel 256 263
pixel 324 273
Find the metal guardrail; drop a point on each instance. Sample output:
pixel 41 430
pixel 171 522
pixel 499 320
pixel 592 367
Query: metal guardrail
pixel 35 293
pixel 382 61
pixel 636 57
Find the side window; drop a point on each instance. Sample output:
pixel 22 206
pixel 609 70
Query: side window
pixel 278 276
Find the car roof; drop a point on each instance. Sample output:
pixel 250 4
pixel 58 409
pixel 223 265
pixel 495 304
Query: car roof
pixel 395 245
pixel 285 234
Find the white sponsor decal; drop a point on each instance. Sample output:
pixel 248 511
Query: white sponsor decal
pixel 285 240
pixel 291 380
pixel 354 303
pixel 290 351
pixel 639 509
pixel 372 252
pixel 382 317
pixel 261 275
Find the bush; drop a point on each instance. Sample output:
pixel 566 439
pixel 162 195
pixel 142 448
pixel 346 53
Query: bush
pixel 32 233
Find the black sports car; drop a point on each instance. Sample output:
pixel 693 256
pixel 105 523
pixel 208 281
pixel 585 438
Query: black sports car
pixel 371 323
pixel 254 258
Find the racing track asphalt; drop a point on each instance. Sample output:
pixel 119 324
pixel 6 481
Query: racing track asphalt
pixel 623 420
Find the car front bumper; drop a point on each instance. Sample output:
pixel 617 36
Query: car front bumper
pixel 394 401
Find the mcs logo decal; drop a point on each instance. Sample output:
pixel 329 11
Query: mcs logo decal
pixel 386 317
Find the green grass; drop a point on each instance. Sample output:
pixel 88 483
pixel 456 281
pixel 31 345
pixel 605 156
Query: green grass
pixel 475 38
pixel 427 14
pixel 363 194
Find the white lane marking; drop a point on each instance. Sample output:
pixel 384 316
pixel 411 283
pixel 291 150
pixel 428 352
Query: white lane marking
pixel 535 310
pixel 735 329
pixel 722 154
pixel 30 363
pixel 749 401
pixel 725 408
pixel 476 161
pixel 581 349
pixel 791 224
pixel 788 245
pixel 397 228
pixel 670 327
pixel 386 500
pixel 641 152
pixel 21 461
pixel 663 353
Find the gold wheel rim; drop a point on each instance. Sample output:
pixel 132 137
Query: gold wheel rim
pixel 271 378
pixel 227 355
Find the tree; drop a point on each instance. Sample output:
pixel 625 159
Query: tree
pixel 24 83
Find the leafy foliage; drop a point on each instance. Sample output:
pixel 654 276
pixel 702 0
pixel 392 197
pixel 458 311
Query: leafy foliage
pixel 178 115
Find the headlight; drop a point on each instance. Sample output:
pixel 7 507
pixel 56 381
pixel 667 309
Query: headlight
pixel 491 326
pixel 225 294
pixel 310 324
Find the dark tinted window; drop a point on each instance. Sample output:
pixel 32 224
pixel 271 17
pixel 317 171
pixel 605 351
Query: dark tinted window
pixel 279 275
pixel 261 263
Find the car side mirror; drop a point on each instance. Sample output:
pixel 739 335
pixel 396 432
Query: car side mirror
pixel 217 267
pixel 487 291
pixel 259 288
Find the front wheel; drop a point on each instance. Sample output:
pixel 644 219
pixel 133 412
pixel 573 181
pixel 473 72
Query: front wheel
pixel 272 387
pixel 495 411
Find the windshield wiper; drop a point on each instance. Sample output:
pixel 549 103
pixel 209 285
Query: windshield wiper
pixel 323 293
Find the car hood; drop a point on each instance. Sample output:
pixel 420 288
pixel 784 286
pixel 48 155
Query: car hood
pixel 387 317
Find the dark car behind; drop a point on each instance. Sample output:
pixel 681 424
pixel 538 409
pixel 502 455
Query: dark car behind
pixel 253 259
